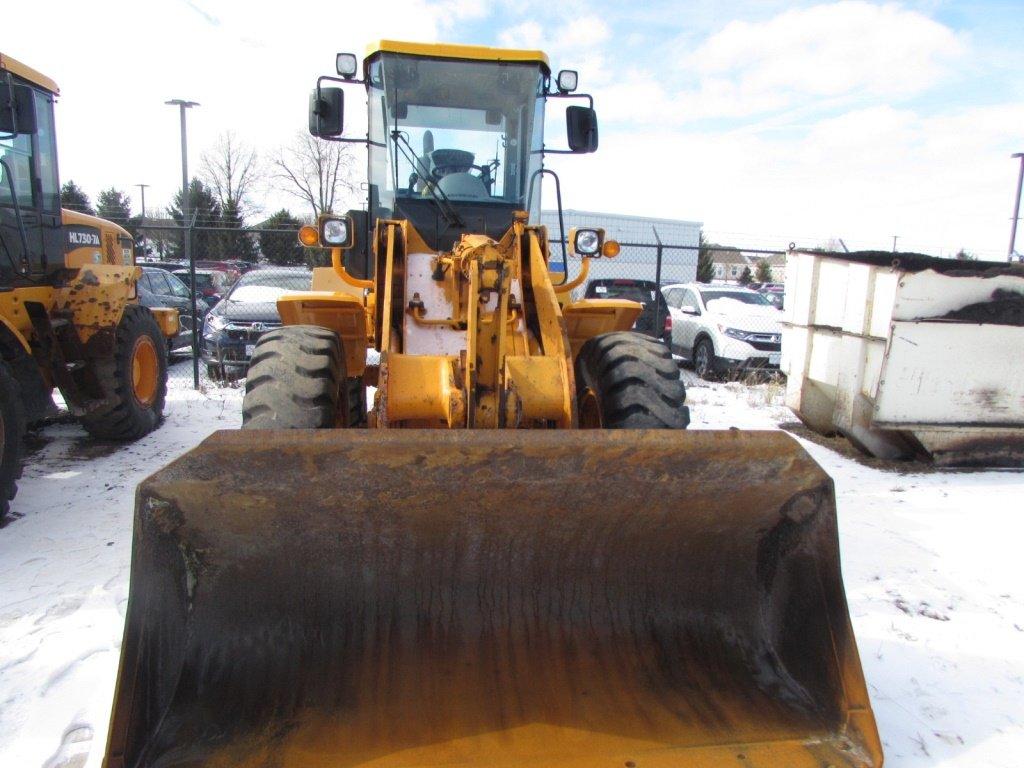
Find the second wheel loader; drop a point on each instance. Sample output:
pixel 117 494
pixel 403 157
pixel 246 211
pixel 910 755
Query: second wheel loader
pixel 512 552
pixel 69 312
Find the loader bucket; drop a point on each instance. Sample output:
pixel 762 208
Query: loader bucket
pixel 489 598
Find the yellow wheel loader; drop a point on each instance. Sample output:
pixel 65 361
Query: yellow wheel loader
pixel 512 553
pixel 69 315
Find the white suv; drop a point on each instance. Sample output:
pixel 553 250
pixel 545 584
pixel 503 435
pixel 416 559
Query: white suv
pixel 722 328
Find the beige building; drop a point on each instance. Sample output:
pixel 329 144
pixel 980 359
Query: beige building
pixel 729 264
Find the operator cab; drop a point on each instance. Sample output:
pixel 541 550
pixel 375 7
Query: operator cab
pixel 455 134
pixel 30 216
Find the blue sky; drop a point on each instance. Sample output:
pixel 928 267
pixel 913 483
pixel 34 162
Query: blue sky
pixel 766 121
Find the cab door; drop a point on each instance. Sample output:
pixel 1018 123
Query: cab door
pixel 30 225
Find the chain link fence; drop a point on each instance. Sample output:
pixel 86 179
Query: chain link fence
pixel 721 328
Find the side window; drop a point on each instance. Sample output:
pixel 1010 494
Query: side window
pixel 178 288
pixel 144 282
pixel 671 297
pixel 17 154
pixel 690 299
pixel 159 282
pixel 49 183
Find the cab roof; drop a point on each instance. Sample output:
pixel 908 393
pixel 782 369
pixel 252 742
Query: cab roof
pixel 15 67
pixel 454 51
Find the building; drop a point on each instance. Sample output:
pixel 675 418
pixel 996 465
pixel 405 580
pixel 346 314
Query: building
pixel 730 263
pixel 638 258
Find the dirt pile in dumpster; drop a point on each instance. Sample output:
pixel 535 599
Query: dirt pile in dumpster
pixel 1004 308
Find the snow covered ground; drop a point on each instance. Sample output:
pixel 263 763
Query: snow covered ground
pixel 931 562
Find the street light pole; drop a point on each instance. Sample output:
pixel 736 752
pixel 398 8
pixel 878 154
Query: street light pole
pixel 186 237
pixel 1016 209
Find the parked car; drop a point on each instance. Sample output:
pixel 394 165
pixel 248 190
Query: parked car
pixel 211 284
pixel 644 291
pixel 230 266
pixel 723 329
pixel 168 266
pixel 246 312
pixel 158 288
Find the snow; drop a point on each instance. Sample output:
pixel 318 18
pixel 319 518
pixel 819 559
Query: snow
pixel 258 294
pixel 930 561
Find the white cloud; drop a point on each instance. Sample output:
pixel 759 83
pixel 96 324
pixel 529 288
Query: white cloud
pixel 832 53
pixel 829 50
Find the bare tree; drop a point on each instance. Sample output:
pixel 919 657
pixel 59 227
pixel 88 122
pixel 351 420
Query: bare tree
pixel 232 170
pixel 317 172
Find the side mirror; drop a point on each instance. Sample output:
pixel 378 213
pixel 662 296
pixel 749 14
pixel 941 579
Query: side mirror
pixel 689 310
pixel 326 112
pixel 23 117
pixel 581 129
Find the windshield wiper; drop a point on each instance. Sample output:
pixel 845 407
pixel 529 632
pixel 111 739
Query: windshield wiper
pixel 444 204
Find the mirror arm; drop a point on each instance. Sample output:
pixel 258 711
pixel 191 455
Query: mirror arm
pixel 342 81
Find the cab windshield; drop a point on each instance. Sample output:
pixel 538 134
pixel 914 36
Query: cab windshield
pixel 451 130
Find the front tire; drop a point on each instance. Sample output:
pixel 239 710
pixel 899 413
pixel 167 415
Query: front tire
pixel 626 380
pixel 704 359
pixel 133 381
pixel 297 380
pixel 12 431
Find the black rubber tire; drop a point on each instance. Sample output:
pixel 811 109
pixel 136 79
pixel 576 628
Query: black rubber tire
pixel 12 432
pixel 297 380
pixel 704 360
pixel 632 381
pixel 123 417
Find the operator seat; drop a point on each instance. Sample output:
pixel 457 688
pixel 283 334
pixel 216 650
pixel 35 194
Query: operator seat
pixel 463 185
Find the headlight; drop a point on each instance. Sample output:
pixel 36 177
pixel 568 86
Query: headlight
pixel 736 333
pixel 214 323
pixel 587 242
pixel 336 231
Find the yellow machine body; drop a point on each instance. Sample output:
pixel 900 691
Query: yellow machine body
pixel 67 277
pixel 475 579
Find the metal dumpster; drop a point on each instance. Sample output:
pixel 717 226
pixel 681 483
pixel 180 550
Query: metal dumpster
pixel 908 355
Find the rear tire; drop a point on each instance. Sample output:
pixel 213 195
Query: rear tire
pixel 626 380
pixel 12 430
pixel 297 380
pixel 133 381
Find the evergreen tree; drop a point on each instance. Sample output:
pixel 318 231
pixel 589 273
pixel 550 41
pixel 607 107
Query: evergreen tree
pixel 73 198
pixel 282 248
pixel 205 212
pixel 705 261
pixel 746 277
pixel 113 205
pixel 236 245
pixel 763 273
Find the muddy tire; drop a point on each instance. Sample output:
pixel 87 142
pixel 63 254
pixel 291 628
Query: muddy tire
pixel 134 381
pixel 629 381
pixel 297 380
pixel 12 431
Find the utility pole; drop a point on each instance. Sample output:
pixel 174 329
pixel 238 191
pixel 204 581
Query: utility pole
pixel 142 192
pixel 186 236
pixel 142 219
pixel 1016 209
